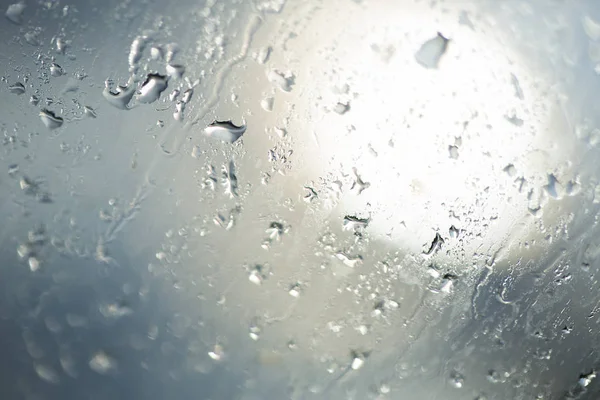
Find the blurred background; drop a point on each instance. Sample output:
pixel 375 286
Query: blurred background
pixel 285 199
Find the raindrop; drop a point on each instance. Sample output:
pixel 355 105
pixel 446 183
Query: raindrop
pixel 187 96
pixel 34 263
pixel 115 310
pixel 457 380
pixel 225 131
pixel 89 111
pixel 175 70
pixel 56 70
pixel 61 46
pixel 152 88
pixel 135 52
pixel 436 245
pixel 431 51
pixel 34 100
pixel 586 379
pixel 46 373
pixel 591 28
pixel 50 120
pixel 267 103
pixel 102 363
pixel 295 290
pixel 341 108
pixel 217 353
pixel 262 55
pixel 17 88
pixel 453 232
pixel 283 81
pixel 352 223
pixel 121 96
pixel 14 12
pixel 453 152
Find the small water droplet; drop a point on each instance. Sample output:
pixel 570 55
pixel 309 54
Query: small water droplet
pixel 50 119
pixel 263 54
pixel 115 310
pixel 102 363
pixel 225 131
pixel 34 263
pixel 136 51
pixel 17 88
pixel 431 52
pixel 152 88
pixel 436 245
pixel 61 45
pixel 295 290
pixel 14 12
pixel 586 379
pixel 187 95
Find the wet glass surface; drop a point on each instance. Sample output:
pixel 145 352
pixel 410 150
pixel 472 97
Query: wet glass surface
pixel 285 199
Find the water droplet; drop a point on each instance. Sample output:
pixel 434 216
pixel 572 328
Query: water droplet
pixel 349 261
pixel 358 360
pixel 152 88
pixel 156 53
pixel 453 152
pixel 255 330
pixel 283 81
pixel 263 54
pixel 187 96
pixel 256 275
pixel 136 50
pixel 384 388
pixel 431 51
pixel 436 245
pixel 586 379
pixel 591 28
pixel 46 373
pixel 517 87
pixel 14 12
pixel 554 188
pixel 295 290
pixel 358 185
pixel 225 131
pixel 102 363
pixel 121 96
pixel 115 310
pixel 34 100
pixel 61 46
pixel 341 108
pixel 17 88
pixel 34 263
pixel 50 120
pixel 89 111
pixel 267 103
pixel 217 353
pixel 229 179
pixel 457 380
pixel 352 223
pixel 453 232
pixel 175 70
pixel 56 70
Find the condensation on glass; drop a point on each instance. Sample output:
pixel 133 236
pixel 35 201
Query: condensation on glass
pixel 285 199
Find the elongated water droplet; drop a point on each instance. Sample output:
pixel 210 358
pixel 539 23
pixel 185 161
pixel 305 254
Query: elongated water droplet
pixel 225 131
pixel 56 70
pixel 17 88
pixel 51 120
pixel 175 70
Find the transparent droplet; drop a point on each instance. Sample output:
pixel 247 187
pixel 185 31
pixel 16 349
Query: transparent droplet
pixel 341 108
pixel 431 51
pixel 14 12
pixel 50 119
pixel 102 363
pixel 121 96
pixel 89 111
pixel 217 353
pixel 354 224
pixel 267 103
pixel 284 82
pixel 457 380
pixel 34 263
pixel 152 88
pixel 225 131
pixel 17 88
pixel 175 70
pixel 56 70
pixel 46 373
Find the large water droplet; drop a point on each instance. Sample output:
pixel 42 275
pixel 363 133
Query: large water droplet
pixel 102 363
pixel 431 51
pixel 225 131
pixel 17 88
pixel 152 87
pixel 51 120
pixel 14 12
pixel 121 96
